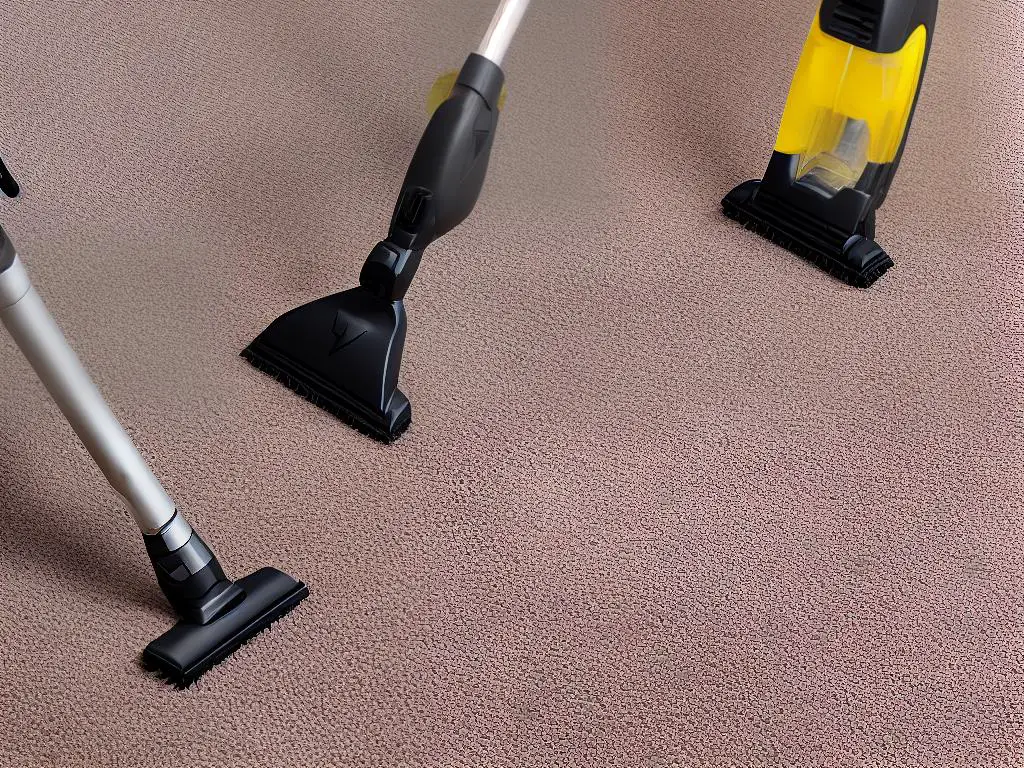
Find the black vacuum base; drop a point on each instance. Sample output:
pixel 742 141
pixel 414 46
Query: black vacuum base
pixel 342 353
pixel 187 650
pixel 383 427
pixel 856 260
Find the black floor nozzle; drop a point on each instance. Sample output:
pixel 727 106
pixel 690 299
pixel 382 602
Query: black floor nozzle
pixel 342 353
pixel 217 614
pixel 857 260
pixel 189 649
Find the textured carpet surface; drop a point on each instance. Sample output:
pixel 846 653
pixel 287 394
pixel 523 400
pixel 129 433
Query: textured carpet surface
pixel 671 497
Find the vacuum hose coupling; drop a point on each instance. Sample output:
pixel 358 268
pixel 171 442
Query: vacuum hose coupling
pixel 189 574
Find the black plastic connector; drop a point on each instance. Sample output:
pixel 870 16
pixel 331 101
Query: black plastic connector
pixel 191 577
pixel 389 270
pixel 10 188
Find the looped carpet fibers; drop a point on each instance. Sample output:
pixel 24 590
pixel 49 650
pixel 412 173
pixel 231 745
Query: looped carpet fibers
pixel 671 497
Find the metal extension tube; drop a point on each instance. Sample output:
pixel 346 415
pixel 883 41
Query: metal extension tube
pixel 58 367
pixel 503 27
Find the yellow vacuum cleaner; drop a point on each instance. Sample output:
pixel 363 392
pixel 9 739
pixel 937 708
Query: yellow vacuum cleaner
pixel 842 135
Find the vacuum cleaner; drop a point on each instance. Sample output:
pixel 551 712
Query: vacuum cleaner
pixel 217 614
pixel 842 135
pixel 344 352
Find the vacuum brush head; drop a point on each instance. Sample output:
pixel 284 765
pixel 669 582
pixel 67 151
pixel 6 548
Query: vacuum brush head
pixel 856 260
pixel 183 653
pixel 343 354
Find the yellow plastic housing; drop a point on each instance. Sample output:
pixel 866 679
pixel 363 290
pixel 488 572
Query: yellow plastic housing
pixel 848 106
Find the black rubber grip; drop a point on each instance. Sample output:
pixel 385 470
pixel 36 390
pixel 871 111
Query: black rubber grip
pixel 448 168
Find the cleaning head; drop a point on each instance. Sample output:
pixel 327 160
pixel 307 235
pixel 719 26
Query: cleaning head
pixel 344 352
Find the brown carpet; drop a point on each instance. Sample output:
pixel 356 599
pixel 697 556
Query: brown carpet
pixel 671 496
